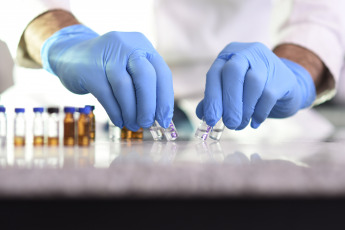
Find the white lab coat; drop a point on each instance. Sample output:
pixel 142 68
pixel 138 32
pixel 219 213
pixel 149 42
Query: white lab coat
pixel 190 33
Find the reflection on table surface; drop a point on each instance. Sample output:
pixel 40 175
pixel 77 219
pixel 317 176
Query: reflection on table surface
pixel 105 154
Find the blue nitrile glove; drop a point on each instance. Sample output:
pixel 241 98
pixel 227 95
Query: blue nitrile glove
pixel 121 69
pixel 248 81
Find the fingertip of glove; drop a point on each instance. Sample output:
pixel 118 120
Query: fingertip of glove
pixel 254 124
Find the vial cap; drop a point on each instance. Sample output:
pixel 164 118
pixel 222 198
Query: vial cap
pixel 19 110
pixel 38 110
pixel 69 109
pixel 92 107
pixel 85 110
pixel 2 109
pixel 53 110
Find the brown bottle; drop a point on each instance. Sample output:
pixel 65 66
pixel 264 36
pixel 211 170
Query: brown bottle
pixel 69 127
pixel 92 123
pixel 84 127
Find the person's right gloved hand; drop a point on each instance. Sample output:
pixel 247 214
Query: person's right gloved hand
pixel 121 69
pixel 248 83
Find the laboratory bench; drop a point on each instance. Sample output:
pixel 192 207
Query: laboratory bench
pixel 287 184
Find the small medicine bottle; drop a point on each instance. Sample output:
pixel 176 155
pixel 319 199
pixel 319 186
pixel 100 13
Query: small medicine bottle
pixel 38 127
pixel 19 127
pixel 53 126
pixel 84 127
pixel 3 126
pixel 126 133
pixel 69 127
pixel 139 134
pixel 92 123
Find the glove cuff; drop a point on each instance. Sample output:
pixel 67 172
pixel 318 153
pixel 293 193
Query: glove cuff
pixel 305 81
pixel 62 36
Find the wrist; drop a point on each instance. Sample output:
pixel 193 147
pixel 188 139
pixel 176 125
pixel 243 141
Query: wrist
pixel 304 81
pixel 60 41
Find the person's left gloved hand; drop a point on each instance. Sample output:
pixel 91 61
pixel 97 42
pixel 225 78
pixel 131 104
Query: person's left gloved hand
pixel 248 81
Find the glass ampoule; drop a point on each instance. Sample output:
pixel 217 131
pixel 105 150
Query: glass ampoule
pixel 215 132
pixel 169 133
pixel 19 127
pixel 92 123
pixel 83 127
pixel 38 127
pixel 69 138
pixel 203 130
pixel 53 126
pixel 3 126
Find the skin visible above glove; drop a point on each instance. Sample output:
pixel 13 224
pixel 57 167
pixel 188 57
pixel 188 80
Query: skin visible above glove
pixel 248 82
pixel 121 69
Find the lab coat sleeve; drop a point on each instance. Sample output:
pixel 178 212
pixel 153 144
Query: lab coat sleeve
pixel 317 25
pixel 15 15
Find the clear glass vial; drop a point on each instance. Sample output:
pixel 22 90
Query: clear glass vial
pixel 84 126
pixel 19 127
pixel 217 130
pixel 3 126
pixel 92 122
pixel 38 127
pixel 69 127
pixel 203 130
pixel 53 126
pixel 169 133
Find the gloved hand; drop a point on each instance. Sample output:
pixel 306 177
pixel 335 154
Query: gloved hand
pixel 121 69
pixel 248 81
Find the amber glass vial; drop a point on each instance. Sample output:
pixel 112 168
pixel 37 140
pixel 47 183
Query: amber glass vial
pixel 19 127
pixel 138 134
pixel 126 133
pixel 53 126
pixel 69 127
pixel 92 123
pixel 38 127
pixel 84 127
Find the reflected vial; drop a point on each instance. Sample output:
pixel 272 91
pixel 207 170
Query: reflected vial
pixel 3 126
pixel 38 127
pixel 19 127
pixel 69 127
pixel 53 126
pixel 92 122
pixel 217 130
pixel 203 130
pixel 84 127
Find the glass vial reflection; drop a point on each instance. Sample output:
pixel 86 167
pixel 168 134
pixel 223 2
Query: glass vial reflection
pixel 83 127
pixel 69 127
pixel 19 127
pixel 38 127
pixel 53 126
pixel 3 126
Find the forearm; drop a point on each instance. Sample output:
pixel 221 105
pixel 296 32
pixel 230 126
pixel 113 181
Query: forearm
pixel 42 27
pixel 304 57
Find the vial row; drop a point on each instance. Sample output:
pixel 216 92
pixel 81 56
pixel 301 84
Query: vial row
pixel 214 132
pixel 80 132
